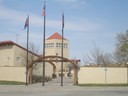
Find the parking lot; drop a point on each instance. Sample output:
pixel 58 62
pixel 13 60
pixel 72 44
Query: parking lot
pixel 57 90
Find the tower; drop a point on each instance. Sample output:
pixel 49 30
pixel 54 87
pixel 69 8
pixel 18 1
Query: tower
pixel 53 46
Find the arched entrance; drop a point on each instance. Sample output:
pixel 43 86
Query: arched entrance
pixel 51 60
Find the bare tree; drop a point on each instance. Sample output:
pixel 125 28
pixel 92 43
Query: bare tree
pixel 98 57
pixel 121 53
pixel 87 59
pixel 33 51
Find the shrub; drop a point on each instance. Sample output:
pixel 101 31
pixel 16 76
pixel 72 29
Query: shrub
pixel 37 79
pixel 54 76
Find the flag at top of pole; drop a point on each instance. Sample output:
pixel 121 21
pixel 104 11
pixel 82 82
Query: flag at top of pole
pixel 26 22
pixel 44 11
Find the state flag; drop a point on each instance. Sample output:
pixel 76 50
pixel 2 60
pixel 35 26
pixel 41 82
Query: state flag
pixel 26 22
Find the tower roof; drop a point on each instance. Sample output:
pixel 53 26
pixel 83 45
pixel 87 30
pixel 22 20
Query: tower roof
pixel 56 36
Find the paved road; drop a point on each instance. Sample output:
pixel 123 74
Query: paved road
pixel 53 88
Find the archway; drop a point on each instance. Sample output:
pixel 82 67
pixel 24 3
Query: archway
pixel 51 60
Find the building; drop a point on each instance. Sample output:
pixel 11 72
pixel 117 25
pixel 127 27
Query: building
pixel 53 46
pixel 12 54
pixel 13 62
pixel 13 59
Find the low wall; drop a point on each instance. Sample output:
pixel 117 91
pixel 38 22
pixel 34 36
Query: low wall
pixel 13 74
pixel 100 75
pixel 39 70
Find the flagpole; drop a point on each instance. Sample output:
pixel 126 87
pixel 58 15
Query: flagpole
pixel 43 81
pixel 62 49
pixel 27 52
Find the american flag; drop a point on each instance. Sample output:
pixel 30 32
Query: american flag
pixel 44 12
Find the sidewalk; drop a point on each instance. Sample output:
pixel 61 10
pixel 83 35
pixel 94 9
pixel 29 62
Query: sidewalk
pixel 53 88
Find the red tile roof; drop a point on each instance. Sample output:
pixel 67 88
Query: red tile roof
pixel 12 43
pixel 56 36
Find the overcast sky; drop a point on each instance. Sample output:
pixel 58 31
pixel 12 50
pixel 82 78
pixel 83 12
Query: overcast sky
pixel 86 22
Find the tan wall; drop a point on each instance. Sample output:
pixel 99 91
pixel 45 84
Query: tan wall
pixel 49 69
pixel 12 74
pixel 19 52
pixel 97 75
pixel 6 55
pixel 39 69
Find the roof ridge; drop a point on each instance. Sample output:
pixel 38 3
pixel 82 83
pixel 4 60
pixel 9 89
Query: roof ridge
pixel 13 43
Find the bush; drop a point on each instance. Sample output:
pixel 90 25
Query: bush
pixel 37 79
pixel 61 74
pixel 54 76
pixel 48 78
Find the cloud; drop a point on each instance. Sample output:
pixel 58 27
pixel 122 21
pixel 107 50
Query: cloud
pixel 18 18
pixel 83 25
pixel 66 1
pixel 73 3
pixel 10 15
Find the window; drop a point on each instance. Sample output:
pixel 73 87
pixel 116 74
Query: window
pixel 49 45
pixel 56 44
pixel 60 45
pixel 8 59
pixel 56 54
pixel 18 59
pixel 52 44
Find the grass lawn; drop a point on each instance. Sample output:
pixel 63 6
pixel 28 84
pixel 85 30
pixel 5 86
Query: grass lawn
pixel 98 85
pixel 11 83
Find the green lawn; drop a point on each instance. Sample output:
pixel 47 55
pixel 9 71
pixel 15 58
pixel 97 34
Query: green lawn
pixel 11 83
pixel 109 85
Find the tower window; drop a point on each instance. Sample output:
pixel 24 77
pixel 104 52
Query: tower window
pixel 56 44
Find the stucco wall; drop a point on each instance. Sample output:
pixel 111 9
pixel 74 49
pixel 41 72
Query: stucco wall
pixel 39 69
pixel 6 55
pixel 97 75
pixel 12 74
pixel 19 52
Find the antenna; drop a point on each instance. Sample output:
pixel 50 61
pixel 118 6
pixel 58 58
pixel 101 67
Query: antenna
pixel 17 37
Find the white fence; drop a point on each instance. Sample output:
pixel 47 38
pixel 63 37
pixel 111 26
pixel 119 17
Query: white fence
pixel 100 75
pixel 12 74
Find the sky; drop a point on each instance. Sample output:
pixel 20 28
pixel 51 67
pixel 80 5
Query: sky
pixel 86 22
